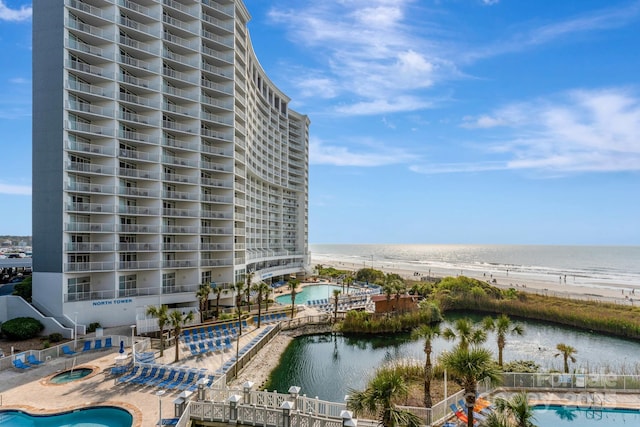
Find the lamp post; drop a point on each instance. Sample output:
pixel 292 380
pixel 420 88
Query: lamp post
pixel 160 393
pixel 75 330
pixel 133 344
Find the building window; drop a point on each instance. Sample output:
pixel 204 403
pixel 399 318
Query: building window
pixel 168 283
pixel 127 285
pixel 78 288
pixel 206 277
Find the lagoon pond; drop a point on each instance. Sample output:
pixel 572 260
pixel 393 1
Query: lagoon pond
pixel 328 365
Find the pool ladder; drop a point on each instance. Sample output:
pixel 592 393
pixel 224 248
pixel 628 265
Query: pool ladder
pixel 596 404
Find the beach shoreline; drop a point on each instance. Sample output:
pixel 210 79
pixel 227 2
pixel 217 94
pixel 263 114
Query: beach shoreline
pixel 565 287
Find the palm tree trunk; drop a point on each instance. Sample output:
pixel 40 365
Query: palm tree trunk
pixel 259 307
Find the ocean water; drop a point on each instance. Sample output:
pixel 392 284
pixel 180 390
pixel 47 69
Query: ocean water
pixel 615 267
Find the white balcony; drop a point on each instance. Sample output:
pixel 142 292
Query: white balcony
pixel 88 266
pixel 89 148
pixel 89 227
pixel 89 247
pixel 139 155
pixel 90 208
pixel 138 265
pixel 86 68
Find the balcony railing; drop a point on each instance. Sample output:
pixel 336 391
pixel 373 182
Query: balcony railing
pixel 89 247
pixel 86 68
pixel 90 207
pixel 90 148
pixel 139 155
pixel 138 247
pixel 138 210
pixel 216 262
pixel 137 265
pixel 89 227
pixel 179 264
pixel 138 192
pixel 88 266
pixel 138 228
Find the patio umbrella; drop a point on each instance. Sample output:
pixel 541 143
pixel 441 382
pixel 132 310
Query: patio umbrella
pixel 121 347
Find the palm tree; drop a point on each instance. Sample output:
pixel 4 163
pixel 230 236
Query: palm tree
pixel 464 330
pixel 336 298
pixel 239 291
pixel 348 281
pixel 267 292
pixel 388 291
pixel 177 319
pixel 468 366
pixel 247 291
pixel 293 287
pixel 516 409
pixel 503 326
pixel 217 290
pixel 377 400
pixel 261 288
pixel 428 332
pixel 399 288
pixel 162 313
pixel 203 298
pixel 567 353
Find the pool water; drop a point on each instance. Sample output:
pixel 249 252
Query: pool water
pixel 313 292
pixel 68 376
pixel 563 416
pixel 107 416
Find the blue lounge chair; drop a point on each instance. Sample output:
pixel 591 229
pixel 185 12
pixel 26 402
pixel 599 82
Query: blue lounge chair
pixel 31 360
pixel 169 379
pixel 202 348
pixel 211 346
pixel 147 377
pixel 210 332
pixel 66 350
pixel 131 374
pixel 187 381
pixel 108 343
pixel 20 364
pixel 192 386
pixel 193 349
pixel 157 379
pixel 86 346
pixel 178 380
pixel 97 345
pixel 227 343
pixel 142 374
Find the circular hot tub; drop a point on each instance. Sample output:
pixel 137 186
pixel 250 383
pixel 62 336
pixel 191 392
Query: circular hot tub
pixel 71 375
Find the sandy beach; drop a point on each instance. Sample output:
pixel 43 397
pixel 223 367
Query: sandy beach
pixel 565 286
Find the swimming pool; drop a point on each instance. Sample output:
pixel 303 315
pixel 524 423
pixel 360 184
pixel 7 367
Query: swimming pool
pixel 564 416
pixel 103 416
pixel 309 293
pixel 71 375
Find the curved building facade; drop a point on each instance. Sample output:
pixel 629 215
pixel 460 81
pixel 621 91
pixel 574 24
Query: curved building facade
pixel 163 158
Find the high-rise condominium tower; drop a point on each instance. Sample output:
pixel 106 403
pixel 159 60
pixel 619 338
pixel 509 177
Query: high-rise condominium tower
pixel 163 158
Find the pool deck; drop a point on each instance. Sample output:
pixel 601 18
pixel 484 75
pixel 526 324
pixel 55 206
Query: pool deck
pixel 607 399
pixel 30 390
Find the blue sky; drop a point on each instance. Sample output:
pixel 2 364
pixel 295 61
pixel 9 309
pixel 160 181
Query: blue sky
pixel 433 121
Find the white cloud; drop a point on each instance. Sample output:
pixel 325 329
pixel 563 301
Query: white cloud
pixel 19 81
pixel 7 14
pixel 15 189
pixel 490 2
pixel 371 155
pixel 577 131
pixel 374 57
pixel 598 20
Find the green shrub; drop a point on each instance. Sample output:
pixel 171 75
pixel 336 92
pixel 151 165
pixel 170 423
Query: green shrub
pixel 21 328
pixel 93 326
pixel 55 337
pixel 46 344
